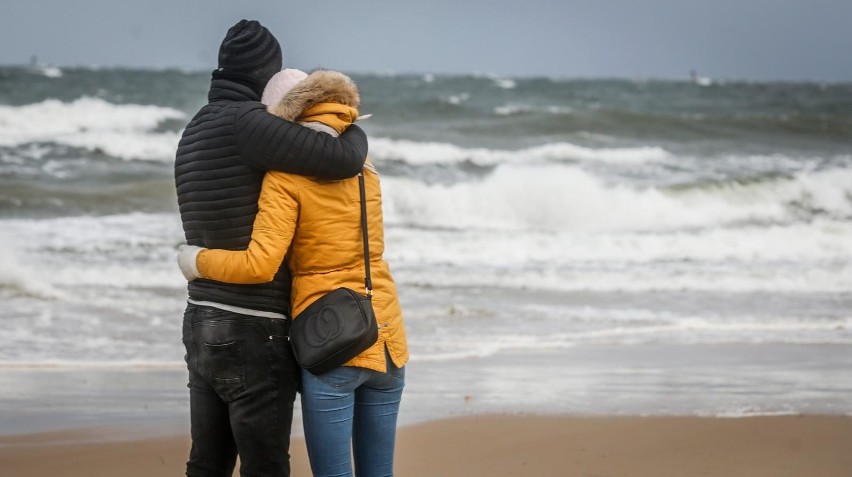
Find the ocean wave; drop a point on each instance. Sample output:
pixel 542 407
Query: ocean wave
pixel 735 278
pixel 820 244
pixel 512 109
pixel 429 153
pixel 61 258
pixel 504 83
pixel 48 71
pixel 51 364
pixel 18 277
pixel 562 197
pixel 455 99
pixel 546 227
pixel 125 131
pixel 47 257
pixel 688 330
pixel 706 125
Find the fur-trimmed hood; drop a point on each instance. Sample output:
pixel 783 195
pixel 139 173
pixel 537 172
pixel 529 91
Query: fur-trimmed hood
pixel 321 86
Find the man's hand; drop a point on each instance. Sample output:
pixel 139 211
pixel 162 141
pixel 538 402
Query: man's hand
pixel 186 261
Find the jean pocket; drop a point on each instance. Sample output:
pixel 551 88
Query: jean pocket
pixel 222 365
pixel 344 377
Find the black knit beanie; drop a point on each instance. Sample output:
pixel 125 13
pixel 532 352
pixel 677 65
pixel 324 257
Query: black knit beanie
pixel 250 49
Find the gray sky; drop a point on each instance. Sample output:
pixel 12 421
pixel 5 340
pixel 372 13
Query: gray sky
pixel 747 39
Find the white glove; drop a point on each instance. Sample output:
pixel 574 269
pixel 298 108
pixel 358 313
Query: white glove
pixel 186 261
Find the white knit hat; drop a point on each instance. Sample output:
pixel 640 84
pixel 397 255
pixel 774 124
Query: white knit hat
pixel 280 84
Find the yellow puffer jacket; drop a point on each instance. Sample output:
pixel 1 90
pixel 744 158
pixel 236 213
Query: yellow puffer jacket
pixel 320 223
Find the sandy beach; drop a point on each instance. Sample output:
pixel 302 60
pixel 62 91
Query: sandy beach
pixel 481 418
pixel 500 445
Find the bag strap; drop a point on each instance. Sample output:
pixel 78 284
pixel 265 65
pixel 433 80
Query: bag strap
pixel 368 282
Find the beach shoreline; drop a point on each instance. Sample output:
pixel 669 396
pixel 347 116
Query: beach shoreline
pixel 498 445
pixel 650 410
pixel 657 379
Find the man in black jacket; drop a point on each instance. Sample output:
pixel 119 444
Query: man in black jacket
pixel 242 376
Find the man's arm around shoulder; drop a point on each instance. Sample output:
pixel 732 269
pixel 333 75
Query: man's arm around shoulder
pixel 268 142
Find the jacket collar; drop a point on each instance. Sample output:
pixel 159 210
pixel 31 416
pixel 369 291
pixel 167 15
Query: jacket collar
pixel 231 86
pixel 334 115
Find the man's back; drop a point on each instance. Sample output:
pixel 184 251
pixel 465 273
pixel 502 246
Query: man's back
pixel 217 195
pixel 219 167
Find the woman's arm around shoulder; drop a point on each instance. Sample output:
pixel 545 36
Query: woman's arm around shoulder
pixel 274 226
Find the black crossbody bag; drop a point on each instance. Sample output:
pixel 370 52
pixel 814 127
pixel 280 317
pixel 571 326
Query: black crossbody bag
pixel 341 324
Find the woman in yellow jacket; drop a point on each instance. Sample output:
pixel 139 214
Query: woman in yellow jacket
pixel 318 223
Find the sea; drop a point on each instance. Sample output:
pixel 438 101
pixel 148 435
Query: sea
pixel 579 246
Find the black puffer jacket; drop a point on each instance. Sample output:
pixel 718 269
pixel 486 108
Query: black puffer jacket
pixel 221 159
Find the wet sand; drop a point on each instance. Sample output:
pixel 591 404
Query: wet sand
pixel 637 380
pixel 499 445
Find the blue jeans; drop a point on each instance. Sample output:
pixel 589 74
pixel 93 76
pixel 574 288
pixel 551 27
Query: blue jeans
pixel 356 406
pixel 243 380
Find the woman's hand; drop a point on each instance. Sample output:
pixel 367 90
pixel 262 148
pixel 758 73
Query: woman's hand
pixel 186 259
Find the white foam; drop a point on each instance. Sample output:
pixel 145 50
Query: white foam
pixel 456 99
pixel 825 244
pixel 119 251
pixel 505 83
pixel 134 145
pixel 659 278
pixel 687 330
pixel 17 273
pixel 424 153
pixel 556 197
pixel 50 71
pixel 123 130
pixel 53 364
pixel 519 108
pixel 571 152
pixel 749 411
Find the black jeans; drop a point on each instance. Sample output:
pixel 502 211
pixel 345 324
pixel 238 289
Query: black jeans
pixel 242 384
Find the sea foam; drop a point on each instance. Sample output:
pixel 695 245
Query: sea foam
pixel 120 130
pixel 562 197
pixel 426 153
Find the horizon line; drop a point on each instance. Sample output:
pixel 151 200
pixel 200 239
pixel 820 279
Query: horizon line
pixel 477 74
